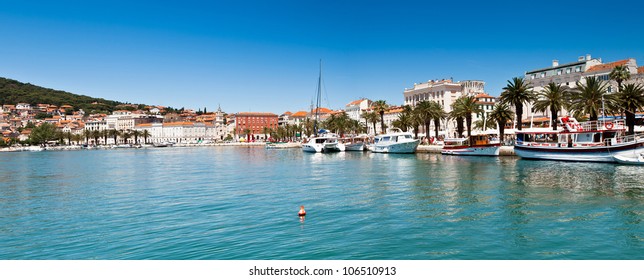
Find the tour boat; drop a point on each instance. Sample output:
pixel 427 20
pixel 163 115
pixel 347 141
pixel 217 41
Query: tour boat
pixel 481 146
pixel 323 143
pixel 395 142
pixel 595 141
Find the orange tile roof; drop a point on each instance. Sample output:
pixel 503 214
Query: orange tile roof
pixel 288 113
pixel 299 114
pixel 606 66
pixel 178 123
pixel 483 95
pixel 323 110
pixel 394 110
pixel 640 70
pixel 357 102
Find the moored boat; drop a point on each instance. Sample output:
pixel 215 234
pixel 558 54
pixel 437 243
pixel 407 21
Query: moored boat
pixel 356 143
pixel 395 142
pixel 595 141
pixel 633 160
pixel 323 143
pixel 481 146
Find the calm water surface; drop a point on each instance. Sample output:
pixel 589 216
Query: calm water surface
pixel 241 203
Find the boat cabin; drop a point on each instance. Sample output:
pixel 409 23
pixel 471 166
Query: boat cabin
pixel 575 134
pixel 477 140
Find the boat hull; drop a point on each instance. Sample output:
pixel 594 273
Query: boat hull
pixel 359 147
pixel 312 148
pixel 586 154
pixel 485 150
pixel 396 148
pixel 629 160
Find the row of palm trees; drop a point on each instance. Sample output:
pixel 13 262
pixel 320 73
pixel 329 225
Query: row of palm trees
pixel 587 99
pixel 119 136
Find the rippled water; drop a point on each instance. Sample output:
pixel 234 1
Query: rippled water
pixel 242 203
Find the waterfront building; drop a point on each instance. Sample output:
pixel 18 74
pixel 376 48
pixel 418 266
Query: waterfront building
pixel 486 103
pixel 569 74
pixel 179 132
pixel 284 119
pixel 254 124
pixel 355 109
pixel 444 92
pixel 389 117
pixel 96 124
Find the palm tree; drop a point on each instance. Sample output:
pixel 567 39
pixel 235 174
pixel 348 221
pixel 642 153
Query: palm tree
pixel 267 132
pixel 438 114
pixel 417 120
pixel 68 135
pixel 126 135
pixel 114 133
pixel 95 134
pixel 467 106
pixel 380 106
pixel 517 92
pixel 620 73
pixel 404 120
pixel 501 114
pixel 308 126
pixel 552 97
pixel 424 109
pixel 372 117
pixel 145 135
pixel 587 98
pixel 484 124
pixel 631 98
pixel 105 134
pixel 87 134
pixel 458 114
pixel 136 135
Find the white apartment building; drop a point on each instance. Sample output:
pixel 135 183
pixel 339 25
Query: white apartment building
pixel 570 73
pixel 445 93
pixel 356 108
pixel 96 124
pixel 179 132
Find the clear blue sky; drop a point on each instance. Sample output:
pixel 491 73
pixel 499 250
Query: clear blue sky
pixel 263 55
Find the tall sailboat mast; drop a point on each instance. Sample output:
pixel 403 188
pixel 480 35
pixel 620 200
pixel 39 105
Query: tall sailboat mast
pixel 317 102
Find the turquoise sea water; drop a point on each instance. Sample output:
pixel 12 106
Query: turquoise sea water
pixel 242 203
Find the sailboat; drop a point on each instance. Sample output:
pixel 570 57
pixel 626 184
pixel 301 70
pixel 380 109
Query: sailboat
pixel 322 141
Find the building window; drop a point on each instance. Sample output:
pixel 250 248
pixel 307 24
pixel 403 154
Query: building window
pixel 610 89
pixel 568 70
pixel 559 72
pixel 578 69
pixel 543 74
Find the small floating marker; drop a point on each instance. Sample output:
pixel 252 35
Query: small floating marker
pixel 302 212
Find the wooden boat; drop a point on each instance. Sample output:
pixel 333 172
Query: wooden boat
pixel 481 146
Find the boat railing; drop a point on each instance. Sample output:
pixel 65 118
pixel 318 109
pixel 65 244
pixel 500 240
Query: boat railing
pixel 601 125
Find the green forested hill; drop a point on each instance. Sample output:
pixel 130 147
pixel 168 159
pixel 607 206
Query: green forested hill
pixel 13 92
